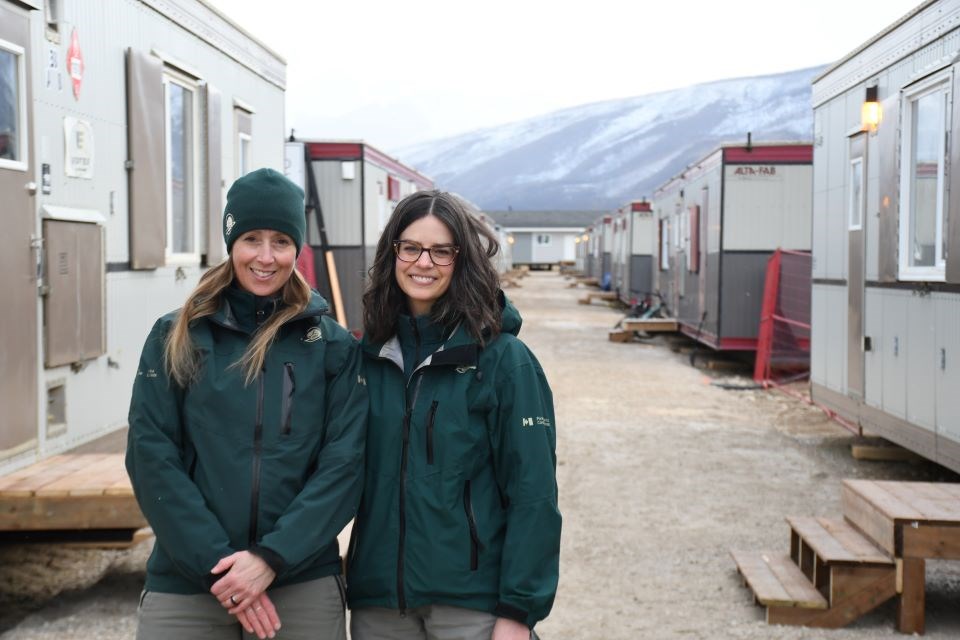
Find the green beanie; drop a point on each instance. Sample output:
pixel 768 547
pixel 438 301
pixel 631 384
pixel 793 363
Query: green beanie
pixel 264 199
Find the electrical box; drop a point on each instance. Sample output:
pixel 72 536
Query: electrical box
pixel 73 308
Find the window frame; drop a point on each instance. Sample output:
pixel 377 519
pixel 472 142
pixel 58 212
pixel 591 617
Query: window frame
pixel 940 83
pixel 19 54
pixel 195 174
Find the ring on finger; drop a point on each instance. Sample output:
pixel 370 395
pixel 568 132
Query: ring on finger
pixel 234 600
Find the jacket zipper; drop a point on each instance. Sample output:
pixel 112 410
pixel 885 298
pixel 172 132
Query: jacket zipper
pixel 430 419
pixel 286 408
pixel 257 447
pixel 401 596
pixel 472 524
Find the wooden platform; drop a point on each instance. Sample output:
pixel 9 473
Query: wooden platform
pixel 649 325
pixel 70 492
pixel 608 296
pixel 876 553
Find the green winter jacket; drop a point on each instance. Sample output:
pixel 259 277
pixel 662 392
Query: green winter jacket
pixel 275 467
pixel 460 496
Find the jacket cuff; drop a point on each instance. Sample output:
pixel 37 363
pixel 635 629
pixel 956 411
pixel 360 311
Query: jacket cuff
pixel 504 610
pixel 271 557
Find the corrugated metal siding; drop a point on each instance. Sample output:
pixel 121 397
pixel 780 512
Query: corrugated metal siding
pixel 767 211
pixel 742 293
pixel 712 294
pixel 377 207
pixel 341 203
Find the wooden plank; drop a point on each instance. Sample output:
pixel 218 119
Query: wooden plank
pixel 93 479
pixel 927 503
pixel 883 453
pixel 842 613
pixel 620 336
pixel 862 514
pixel 67 465
pixel 860 547
pixel 756 573
pixel 14 477
pixel 776 580
pixel 912 601
pixel 820 540
pixel 883 500
pixel 931 541
pixel 800 589
pixel 650 325
pixel 94 512
pixel 846 581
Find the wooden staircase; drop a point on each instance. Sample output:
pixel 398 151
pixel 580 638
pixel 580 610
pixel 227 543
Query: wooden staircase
pixel 838 570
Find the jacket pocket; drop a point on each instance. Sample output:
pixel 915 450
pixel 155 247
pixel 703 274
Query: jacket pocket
pixel 472 526
pixel 286 404
pixel 430 418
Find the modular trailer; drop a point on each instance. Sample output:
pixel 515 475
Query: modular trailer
pixel 359 186
pixel 121 124
pixel 885 347
pixel 718 223
pixel 634 246
pixel 543 239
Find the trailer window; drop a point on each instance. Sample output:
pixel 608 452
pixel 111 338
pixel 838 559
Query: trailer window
pixel 12 112
pixel 923 201
pixel 182 152
pixel 243 126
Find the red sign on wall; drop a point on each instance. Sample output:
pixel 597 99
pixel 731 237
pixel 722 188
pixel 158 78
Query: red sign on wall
pixel 75 64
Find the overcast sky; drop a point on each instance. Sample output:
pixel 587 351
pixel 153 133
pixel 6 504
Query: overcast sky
pixel 396 72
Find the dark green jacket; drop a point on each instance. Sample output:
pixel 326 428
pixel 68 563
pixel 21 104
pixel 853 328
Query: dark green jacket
pixel 276 466
pixel 460 497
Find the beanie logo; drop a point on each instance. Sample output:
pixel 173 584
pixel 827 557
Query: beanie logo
pixel 228 223
pixel 313 335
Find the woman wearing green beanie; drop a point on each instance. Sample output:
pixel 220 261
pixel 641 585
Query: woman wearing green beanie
pixel 245 449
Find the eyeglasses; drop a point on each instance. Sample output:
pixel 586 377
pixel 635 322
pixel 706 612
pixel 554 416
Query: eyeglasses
pixel 442 255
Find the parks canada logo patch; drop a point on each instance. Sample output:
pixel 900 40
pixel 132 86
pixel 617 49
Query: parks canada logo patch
pixel 228 223
pixel 313 335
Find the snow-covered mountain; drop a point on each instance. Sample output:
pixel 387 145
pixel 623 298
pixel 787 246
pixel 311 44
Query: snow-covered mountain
pixel 599 156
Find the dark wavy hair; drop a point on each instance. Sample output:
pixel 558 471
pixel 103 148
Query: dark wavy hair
pixel 472 297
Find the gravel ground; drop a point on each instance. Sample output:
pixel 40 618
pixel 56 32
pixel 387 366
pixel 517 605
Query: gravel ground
pixel 661 473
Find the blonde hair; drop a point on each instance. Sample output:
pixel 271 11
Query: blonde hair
pixel 180 355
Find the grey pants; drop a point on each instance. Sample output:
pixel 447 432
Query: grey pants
pixel 312 610
pixel 433 622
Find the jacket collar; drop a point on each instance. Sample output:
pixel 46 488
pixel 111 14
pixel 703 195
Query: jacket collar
pixel 238 308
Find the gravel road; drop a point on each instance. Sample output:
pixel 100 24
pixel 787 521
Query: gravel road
pixel 661 473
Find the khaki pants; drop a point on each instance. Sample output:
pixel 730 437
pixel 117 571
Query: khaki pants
pixel 312 610
pixel 433 622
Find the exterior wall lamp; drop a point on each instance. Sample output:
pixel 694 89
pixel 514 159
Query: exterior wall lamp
pixel 871 113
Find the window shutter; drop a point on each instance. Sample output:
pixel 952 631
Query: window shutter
pixel 889 188
pixel 215 248
pixel 953 203
pixel 146 153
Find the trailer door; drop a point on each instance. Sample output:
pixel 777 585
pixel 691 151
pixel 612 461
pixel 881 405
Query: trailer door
pixel 18 340
pixel 856 219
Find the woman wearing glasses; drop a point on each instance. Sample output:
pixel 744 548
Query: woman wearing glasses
pixel 458 533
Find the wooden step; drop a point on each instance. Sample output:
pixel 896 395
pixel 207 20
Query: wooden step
pixel 833 542
pixel 776 581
